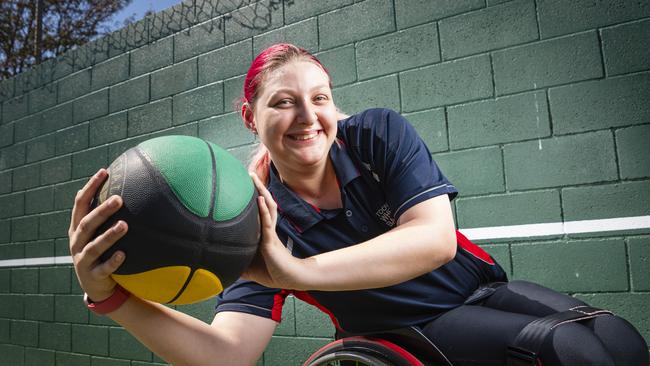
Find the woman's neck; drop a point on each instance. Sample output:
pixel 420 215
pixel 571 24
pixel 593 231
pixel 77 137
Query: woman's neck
pixel 317 185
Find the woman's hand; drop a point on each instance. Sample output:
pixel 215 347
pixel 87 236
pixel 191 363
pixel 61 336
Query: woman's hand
pixel 273 266
pixel 94 277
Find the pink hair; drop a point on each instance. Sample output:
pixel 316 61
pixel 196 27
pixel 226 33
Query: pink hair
pixel 267 61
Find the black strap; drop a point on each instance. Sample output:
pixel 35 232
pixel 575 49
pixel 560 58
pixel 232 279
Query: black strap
pixel 525 348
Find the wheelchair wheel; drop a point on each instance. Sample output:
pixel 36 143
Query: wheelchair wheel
pixel 362 351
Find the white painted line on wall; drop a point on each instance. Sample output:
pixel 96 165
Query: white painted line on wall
pixel 482 233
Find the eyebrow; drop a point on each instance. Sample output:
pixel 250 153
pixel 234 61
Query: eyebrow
pixel 287 90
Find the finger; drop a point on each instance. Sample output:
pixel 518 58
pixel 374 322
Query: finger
pixel 94 249
pixel 270 202
pixel 89 223
pixel 265 215
pixel 111 265
pixel 84 198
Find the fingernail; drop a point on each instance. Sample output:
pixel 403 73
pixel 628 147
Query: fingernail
pixel 118 256
pixel 119 227
pixel 113 202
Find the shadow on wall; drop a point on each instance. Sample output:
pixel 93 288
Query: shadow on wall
pixel 209 14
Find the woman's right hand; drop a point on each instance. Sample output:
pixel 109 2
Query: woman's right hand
pixel 94 276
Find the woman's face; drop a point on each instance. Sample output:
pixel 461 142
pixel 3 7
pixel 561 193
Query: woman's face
pixel 295 116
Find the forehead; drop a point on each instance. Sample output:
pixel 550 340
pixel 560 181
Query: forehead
pixel 296 74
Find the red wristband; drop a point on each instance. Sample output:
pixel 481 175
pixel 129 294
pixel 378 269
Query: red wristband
pixel 110 304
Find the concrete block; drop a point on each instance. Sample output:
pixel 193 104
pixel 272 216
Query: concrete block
pixel 11 306
pixel 72 139
pixel 491 28
pixel 24 228
pixel 574 266
pixel 557 17
pixel 199 39
pixel 127 38
pixel 614 200
pixel 174 79
pixel 14 355
pixel 633 152
pixel 129 94
pixel 74 86
pixel 64 358
pixel 54 225
pixel 26 176
pixel 626 47
pixel 417 46
pixel 14 109
pixel 124 345
pixel 12 156
pixel 64 194
pixel 547 63
pixel 88 162
pixel 42 98
pixel 300 10
pixel 340 64
pixel 55 336
pixel 55 280
pixel 7 134
pixel 226 62
pixel 40 148
pixel 475 171
pixel 39 249
pixel 24 280
pixel 520 208
pixel 639 253
pixel 12 205
pixel 311 322
pixel 382 92
pixel 150 117
pixel 69 308
pixel 110 72
pixel 491 122
pixel 152 56
pixel 413 12
pixel 90 106
pixel 446 83
pixel 39 200
pixel 171 20
pixel 5 181
pixel 198 103
pixel 57 118
pixel 292 350
pixel 90 339
pixel 560 161
pixel 37 356
pixel 28 127
pixel 107 129
pixel 56 170
pixel 356 22
pixel 431 125
pixel 226 131
pixel 302 34
pixel 39 307
pixel 24 333
pixel 252 20
pixel 233 91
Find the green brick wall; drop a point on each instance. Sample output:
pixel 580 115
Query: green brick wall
pixel 538 110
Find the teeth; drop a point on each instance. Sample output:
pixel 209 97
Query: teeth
pixel 305 137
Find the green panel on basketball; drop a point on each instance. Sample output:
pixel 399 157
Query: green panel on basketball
pixel 192 215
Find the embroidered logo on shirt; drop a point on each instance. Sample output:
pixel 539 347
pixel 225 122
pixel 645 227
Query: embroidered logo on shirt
pixel 385 215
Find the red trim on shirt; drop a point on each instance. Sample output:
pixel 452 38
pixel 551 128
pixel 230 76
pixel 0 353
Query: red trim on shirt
pixel 278 302
pixel 304 296
pixel 473 249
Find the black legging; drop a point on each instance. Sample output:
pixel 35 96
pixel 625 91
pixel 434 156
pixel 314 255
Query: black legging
pixel 479 334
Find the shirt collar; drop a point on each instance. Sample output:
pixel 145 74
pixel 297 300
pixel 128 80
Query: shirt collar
pixel 300 213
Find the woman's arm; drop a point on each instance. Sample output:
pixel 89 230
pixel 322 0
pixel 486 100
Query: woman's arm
pixel 232 339
pixel 423 240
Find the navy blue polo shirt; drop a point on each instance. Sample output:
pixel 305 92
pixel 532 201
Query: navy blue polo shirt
pixel 383 168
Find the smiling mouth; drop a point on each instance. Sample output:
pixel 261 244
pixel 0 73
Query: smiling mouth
pixel 304 137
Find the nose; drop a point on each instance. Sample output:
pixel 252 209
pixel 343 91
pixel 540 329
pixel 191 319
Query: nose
pixel 307 113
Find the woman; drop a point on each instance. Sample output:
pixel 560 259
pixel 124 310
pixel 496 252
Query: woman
pixel 356 219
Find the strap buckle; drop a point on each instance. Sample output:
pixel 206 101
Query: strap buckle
pixel 520 357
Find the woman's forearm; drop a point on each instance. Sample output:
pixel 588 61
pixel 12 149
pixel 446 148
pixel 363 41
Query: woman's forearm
pixel 411 249
pixel 176 337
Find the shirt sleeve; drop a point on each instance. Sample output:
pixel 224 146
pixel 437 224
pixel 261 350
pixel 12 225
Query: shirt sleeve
pixel 252 298
pixel 389 146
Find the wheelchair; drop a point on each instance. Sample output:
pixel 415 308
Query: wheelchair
pixel 401 347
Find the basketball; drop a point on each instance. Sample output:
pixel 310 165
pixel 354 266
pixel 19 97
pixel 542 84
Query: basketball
pixel 192 214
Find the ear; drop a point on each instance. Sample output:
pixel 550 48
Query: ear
pixel 247 117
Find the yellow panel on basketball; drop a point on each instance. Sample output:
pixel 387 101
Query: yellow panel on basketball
pixel 159 285
pixel 202 286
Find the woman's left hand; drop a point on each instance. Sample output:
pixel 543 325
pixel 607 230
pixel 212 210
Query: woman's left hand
pixel 273 266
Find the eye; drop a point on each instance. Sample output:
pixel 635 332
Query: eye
pixel 321 97
pixel 284 102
